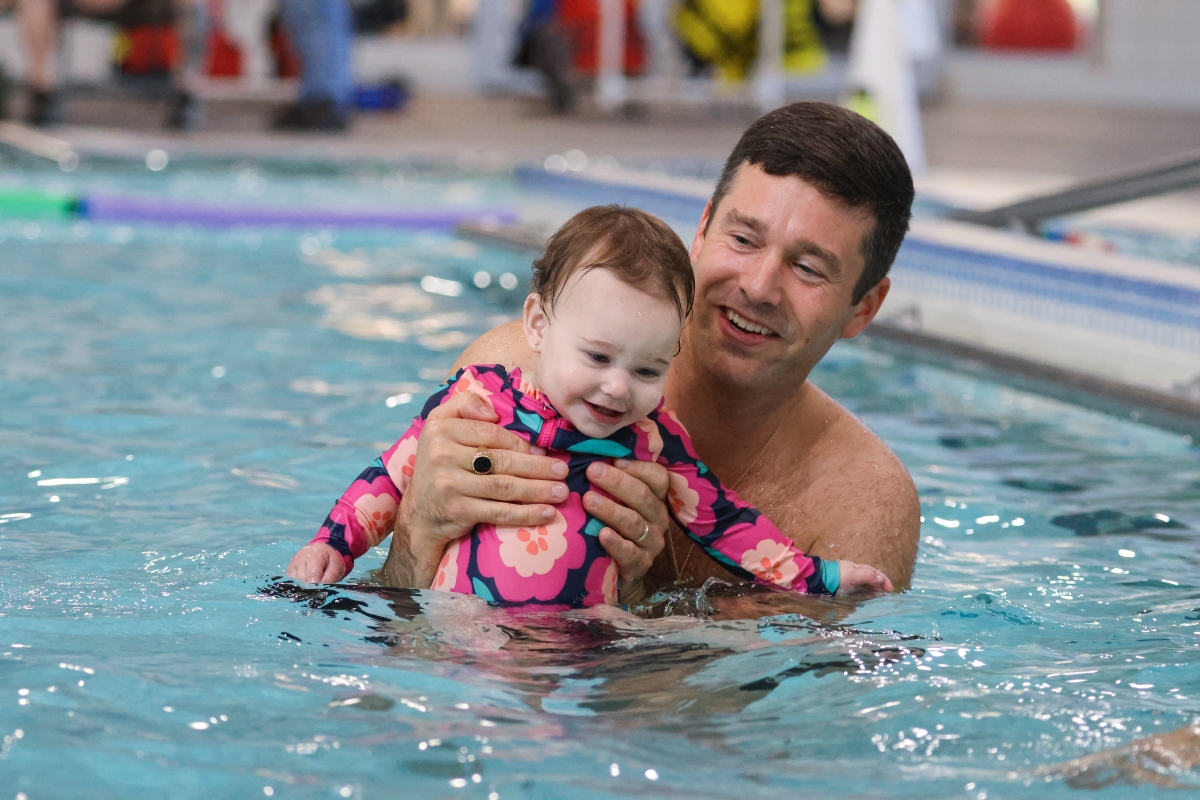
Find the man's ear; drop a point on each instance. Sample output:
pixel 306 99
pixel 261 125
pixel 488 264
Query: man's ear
pixel 866 309
pixel 535 321
pixel 698 239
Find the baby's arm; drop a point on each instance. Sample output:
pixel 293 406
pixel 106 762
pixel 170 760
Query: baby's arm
pixel 365 513
pixel 739 536
pixel 362 518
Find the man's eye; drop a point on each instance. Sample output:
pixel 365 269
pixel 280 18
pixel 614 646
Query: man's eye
pixel 742 240
pixel 807 270
pixel 599 358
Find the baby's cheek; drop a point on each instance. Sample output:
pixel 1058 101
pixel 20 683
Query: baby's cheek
pixel 564 383
pixel 646 400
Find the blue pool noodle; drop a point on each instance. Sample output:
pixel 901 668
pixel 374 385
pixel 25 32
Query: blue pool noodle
pixel 117 208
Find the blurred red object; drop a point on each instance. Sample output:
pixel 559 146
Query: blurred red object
pixel 222 58
pixel 147 50
pixel 1029 25
pixel 580 19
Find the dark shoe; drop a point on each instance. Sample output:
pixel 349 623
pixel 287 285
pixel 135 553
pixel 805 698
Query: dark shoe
pixel 42 110
pixel 183 112
pixel 310 115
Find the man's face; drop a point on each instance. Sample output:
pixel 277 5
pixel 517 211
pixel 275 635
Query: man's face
pixel 775 276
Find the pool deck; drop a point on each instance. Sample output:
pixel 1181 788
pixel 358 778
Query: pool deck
pixel 978 153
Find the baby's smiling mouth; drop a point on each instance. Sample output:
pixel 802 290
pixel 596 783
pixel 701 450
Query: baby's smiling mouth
pixel 603 414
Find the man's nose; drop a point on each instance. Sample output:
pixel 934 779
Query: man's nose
pixel 759 279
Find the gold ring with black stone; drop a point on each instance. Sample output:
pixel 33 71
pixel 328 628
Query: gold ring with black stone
pixel 482 463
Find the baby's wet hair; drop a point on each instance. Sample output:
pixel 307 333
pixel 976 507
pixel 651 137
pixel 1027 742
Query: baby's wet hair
pixel 637 247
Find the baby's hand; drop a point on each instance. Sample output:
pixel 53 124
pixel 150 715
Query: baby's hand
pixel 861 578
pixel 319 563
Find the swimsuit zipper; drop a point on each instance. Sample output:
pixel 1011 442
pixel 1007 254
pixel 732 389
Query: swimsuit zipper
pixel 546 435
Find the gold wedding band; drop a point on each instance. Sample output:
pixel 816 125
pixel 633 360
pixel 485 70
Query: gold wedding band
pixel 481 463
pixel 644 534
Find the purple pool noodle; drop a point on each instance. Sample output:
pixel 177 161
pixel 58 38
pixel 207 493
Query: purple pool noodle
pixel 117 208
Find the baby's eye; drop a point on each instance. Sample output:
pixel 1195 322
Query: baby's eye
pixel 646 372
pixel 599 358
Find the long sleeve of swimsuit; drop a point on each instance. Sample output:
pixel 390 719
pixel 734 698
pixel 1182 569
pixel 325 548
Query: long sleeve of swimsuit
pixel 366 512
pixel 732 532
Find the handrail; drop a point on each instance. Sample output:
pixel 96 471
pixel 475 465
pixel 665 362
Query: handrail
pixel 1173 175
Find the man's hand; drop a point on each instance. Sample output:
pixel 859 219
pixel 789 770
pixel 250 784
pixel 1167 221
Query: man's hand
pixel 861 578
pixel 446 499
pixel 317 563
pixel 639 489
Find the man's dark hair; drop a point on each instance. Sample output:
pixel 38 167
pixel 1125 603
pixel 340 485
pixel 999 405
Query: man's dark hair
pixel 639 248
pixel 844 156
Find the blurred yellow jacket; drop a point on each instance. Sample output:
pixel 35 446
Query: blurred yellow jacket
pixel 724 35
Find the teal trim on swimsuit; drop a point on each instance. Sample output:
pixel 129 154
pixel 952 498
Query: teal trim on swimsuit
pixel 593 527
pixel 481 590
pixel 831 575
pixel 601 447
pixel 532 421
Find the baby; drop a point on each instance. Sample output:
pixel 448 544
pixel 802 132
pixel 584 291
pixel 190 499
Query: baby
pixel 610 296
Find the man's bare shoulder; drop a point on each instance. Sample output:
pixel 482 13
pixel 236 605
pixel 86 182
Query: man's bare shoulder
pixel 504 344
pixel 858 501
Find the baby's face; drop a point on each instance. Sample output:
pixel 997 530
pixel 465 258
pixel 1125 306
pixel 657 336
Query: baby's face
pixel 603 351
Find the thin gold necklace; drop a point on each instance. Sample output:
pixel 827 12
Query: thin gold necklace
pixel 691 542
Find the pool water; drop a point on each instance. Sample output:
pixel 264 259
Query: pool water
pixel 181 407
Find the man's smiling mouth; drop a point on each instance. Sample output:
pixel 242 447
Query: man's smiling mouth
pixel 743 324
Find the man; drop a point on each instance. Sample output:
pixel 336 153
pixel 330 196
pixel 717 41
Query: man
pixel 791 254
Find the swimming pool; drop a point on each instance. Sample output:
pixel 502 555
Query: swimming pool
pixel 181 406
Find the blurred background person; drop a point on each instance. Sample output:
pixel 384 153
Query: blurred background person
pixel 166 23
pixel 322 33
pixel 558 38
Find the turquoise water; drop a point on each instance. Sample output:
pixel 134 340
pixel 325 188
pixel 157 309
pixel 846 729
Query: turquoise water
pixel 179 408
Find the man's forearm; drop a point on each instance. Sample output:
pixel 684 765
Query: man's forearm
pixel 405 569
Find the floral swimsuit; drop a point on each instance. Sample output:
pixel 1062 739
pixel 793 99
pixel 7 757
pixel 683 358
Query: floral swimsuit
pixel 561 563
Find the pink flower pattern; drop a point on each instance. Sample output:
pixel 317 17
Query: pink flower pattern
pixel 401 460
pixel 447 577
pixel 771 562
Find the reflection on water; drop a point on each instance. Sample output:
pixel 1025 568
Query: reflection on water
pixel 180 409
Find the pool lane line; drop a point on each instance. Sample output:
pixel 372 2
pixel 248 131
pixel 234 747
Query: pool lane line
pixel 101 207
